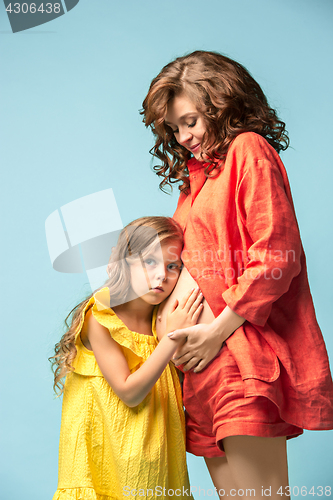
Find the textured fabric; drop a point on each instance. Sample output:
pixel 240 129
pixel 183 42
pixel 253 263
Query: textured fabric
pixel 242 246
pixel 105 446
pixel 216 408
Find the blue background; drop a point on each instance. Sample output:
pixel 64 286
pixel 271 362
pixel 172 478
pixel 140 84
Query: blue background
pixel 70 94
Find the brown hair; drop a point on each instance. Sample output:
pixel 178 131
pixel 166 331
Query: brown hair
pixel 133 239
pixel 230 101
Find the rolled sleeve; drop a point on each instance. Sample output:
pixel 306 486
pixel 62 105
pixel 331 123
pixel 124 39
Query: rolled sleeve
pixel 269 227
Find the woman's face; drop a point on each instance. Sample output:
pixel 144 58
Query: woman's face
pixel 187 124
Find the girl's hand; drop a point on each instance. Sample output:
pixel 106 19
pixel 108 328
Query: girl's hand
pixel 203 342
pixel 186 312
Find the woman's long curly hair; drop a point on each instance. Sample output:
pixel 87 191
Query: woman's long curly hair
pixel 133 240
pixel 230 101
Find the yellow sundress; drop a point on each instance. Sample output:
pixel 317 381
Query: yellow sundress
pixel 110 451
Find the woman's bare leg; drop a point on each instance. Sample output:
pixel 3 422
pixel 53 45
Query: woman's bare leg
pixel 256 466
pixel 220 473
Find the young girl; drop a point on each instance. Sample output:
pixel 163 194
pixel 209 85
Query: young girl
pixel 122 428
pixel 216 133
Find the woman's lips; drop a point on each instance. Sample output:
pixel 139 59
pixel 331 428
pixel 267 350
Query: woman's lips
pixel 195 147
pixel 157 289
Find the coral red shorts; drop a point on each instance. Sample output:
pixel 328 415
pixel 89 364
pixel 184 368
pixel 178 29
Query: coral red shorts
pixel 217 408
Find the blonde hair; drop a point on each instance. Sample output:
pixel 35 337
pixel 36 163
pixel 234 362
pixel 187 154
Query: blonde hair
pixel 133 239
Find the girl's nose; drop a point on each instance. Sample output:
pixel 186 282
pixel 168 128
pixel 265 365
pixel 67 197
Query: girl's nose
pixel 160 274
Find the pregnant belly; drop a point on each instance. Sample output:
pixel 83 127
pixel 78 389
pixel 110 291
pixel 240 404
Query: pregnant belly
pixel 184 284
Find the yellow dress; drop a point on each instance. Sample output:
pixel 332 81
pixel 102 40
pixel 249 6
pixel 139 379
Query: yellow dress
pixel 110 451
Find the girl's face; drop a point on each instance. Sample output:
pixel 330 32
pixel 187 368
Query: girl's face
pixel 155 272
pixel 187 124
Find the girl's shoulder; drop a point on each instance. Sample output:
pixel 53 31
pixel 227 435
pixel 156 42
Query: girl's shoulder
pixel 105 315
pixel 139 344
pixel 98 306
pixel 136 347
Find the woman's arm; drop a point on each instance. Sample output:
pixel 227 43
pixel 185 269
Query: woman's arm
pixel 204 341
pixel 271 246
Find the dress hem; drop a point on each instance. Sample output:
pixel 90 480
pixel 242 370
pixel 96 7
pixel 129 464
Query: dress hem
pixel 82 493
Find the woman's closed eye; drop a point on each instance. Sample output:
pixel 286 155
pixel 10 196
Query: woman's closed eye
pixel 173 266
pixel 189 125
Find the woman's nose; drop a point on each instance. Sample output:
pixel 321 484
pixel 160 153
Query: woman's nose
pixel 184 136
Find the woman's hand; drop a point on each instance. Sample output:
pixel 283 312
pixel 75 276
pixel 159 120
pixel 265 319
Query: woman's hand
pixel 203 342
pixel 202 345
pixel 186 312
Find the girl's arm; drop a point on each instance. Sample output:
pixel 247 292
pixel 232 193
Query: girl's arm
pixel 132 388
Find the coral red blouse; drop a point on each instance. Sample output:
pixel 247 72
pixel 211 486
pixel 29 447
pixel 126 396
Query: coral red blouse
pixel 243 247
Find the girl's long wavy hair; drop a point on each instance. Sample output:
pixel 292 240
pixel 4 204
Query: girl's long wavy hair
pixel 133 239
pixel 230 101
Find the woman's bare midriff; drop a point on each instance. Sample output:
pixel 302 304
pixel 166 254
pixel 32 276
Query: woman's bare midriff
pixel 184 284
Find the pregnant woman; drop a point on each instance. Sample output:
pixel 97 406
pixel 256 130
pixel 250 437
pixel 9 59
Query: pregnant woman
pixel 256 366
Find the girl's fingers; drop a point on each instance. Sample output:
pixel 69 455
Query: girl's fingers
pixel 183 300
pixel 191 299
pixel 197 312
pixel 196 303
pixel 174 306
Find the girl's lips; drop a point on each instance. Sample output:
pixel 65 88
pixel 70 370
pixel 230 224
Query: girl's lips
pixel 157 289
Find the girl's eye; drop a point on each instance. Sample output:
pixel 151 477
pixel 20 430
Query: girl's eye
pixel 150 262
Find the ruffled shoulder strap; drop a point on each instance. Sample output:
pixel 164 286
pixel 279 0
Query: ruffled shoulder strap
pixel 135 342
pixel 85 362
pixel 136 347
